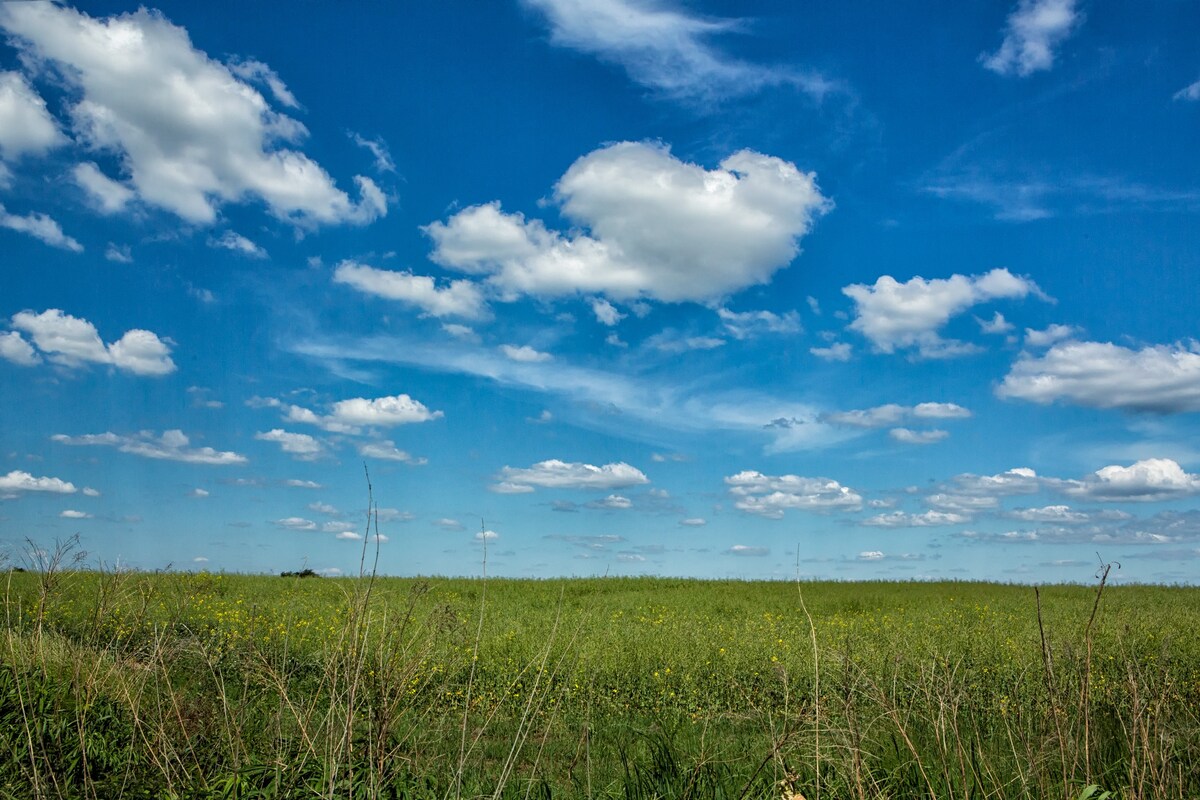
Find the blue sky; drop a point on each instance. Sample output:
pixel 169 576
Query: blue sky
pixel 612 287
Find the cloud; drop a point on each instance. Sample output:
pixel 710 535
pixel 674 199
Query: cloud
pixel 19 481
pixel 14 348
pixel 962 503
pixel 189 133
pixel 107 195
pixel 40 227
pixel 1035 28
pixel 1189 92
pixel 749 324
pixel 555 474
pixel 693 522
pixel 908 436
pixel 296 524
pixel 1149 480
pixel 71 342
pixel 486 536
pixel 524 353
pixel 672 341
pixel 1020 480
pixel 1162 379
pixel 26 127
pixel 348 416
pixel 72 514
pixel 770 496
pixel 606 313
pixel 748 550
pixel 666 49
pixel 260 73
pixel 840 351
pixel 378 148
pixel 892 413
pixel 387 451
pixel 613 502
pixel 901 315
pixel 447 524
pixel 927 519
pixel 1062 515
pixel 230 240
pixel 122 254
pixel 1049 335
pixel 296 483
pixel 172 445
pixel 650 226
pixel 301 445
pixel 996 325
pixel 460 298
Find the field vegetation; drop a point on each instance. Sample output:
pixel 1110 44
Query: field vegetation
pixel 196 685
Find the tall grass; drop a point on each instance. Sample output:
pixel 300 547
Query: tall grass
pixel 117 684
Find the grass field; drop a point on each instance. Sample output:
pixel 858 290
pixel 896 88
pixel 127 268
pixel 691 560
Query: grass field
pixel 203 686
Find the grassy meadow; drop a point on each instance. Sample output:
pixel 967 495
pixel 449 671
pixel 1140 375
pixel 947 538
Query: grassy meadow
pixel 177 685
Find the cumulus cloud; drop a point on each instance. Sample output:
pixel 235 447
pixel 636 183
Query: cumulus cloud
pixel 614 502
pixel 70 513
pixel 26 127
pixel 839 351
pixel 387 451
pixel 296 524
pixel 71 342
pixel 555 474
pixel 1163 379
pixel 962 503
pixel 926 519
pixel 1048 336
pixel 486 536
pixel 14 348
pixel 40 227
pixel 1062 515
pixel 770 496
pixel 19 481
pixel 748 550
pixel 606 313
pixel 524 353
pixel 1035 28
pixel 231 240
pixel 909 315
pixel 909 436
pixel 1020 480
pixel 996 325
pixel 190 134
pixel 665 49
pixel 301 445
pixel 107 195
pixel 1148 480
pixel 172 445
pixel 349 416
pixel 892 413
pixel 460 298
pixel 650 226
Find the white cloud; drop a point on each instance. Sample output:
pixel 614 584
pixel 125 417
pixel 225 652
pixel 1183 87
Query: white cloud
pixel 1049 335
pixel 996 325
pixel 231 240
pixel 871 555
pixel 19 481
pixel 460 298
pixel 693 522
pixel 613 501
pixel 378 148
pixel 909 436
pixel 300 445
pixel 14 348
pixel 606 313
pixel 963 503
pixel 555 474
pixel 769 496
pixel 927 519
pixel 460 331
pixel 296 524
pixel 672 341
pixel 296 483
pixel 1162 378
pixel 665 49
pixel 892 413
pixel 382 411
pixel 524 353
pixel 198 493
pixel 40 227
pixel 486 536
pixel 839 351
pixel 172 445
pixel 260 73
pixel 387 450
pixel 1035 28
pixel 748 550
pixel 1020 480
pixel 190 134
pixel 26 127
pixel 107 195
pixel 656 227
pixel 1062 515
pixel 748 324
pixel 901 315
pixel 1147 480
pixel 120 253
pixel 72 514
pixel 90 492
pixel 1189 92
pixel 447 524
pixel 72 342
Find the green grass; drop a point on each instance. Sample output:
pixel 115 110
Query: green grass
pixel 199 685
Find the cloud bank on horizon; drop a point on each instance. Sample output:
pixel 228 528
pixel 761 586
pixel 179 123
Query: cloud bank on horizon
pixel 614 285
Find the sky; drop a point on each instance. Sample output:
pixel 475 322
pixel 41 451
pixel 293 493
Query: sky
pixel 847 291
